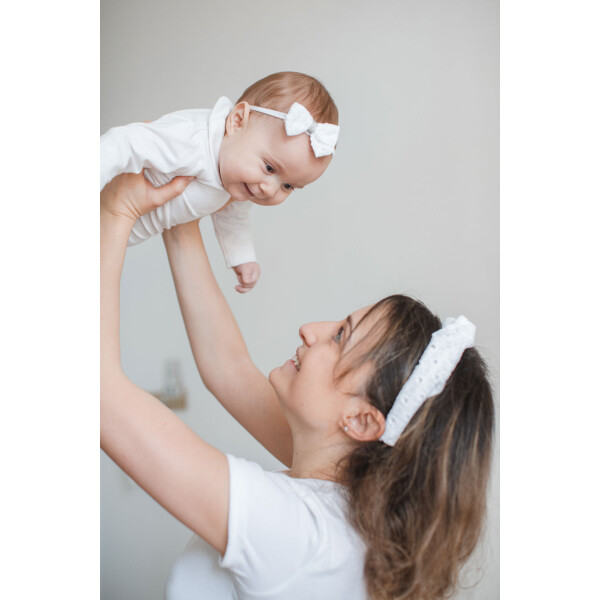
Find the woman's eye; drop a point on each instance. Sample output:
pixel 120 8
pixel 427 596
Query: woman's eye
pixel 269 168
pixel 288 188
pixel 338 336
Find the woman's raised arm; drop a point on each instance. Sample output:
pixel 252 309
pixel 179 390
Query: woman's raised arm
pixel 218 347
pixel 187 476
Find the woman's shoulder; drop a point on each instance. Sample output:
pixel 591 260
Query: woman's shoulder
pixel 320 503
pixel 286 533
pixel 326 490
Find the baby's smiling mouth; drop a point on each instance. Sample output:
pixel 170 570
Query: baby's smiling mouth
pixel 296 362
pixel 248 190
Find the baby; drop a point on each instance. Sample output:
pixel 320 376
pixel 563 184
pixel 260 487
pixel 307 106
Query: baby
pixel 255 151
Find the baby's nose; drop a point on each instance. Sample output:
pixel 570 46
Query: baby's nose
pixel 269 188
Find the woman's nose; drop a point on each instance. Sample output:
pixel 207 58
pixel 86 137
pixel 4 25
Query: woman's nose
pixel 313 332
pixel 307 333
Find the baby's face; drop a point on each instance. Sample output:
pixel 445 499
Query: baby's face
pixel 261 163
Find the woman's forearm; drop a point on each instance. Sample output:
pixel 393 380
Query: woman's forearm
pixel 218 346
pixel 114 231
pixel 214 335
pixel 179 470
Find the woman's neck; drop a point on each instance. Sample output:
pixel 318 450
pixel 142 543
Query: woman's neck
pixel 318 459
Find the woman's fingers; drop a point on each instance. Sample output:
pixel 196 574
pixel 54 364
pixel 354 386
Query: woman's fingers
pixel 131 196
pixel 159 196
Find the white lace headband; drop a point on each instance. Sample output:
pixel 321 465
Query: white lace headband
pixel 430 375
pixel 323 136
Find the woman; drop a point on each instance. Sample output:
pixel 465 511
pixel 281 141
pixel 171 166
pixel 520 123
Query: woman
pixel 385 492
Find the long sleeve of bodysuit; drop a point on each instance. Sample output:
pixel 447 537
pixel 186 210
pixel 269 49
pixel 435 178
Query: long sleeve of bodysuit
pixel 178 144
pixel 175 144
pixel 234 232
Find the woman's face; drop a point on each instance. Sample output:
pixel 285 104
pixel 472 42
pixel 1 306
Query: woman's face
pixel 306 385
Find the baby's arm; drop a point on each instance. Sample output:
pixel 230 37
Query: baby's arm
pixel 234 232
pixel 174 144
pixel 168 145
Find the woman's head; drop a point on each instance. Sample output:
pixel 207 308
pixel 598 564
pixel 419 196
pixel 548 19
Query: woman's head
pixel 369 355
pixel 419 505
pixel 313 395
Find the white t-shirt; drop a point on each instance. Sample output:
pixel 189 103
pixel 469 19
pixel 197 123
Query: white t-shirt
pixel 288 539
pixel 186 142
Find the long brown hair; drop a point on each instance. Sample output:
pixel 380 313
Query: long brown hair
pixel 419 505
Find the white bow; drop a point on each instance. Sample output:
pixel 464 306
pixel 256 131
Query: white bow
pixel 323 136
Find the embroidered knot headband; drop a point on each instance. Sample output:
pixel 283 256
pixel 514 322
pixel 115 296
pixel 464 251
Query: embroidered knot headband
pixel 429 377
pixel 323 136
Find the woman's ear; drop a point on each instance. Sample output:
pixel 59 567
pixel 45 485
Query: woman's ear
pixel 237 118
pixel 362 421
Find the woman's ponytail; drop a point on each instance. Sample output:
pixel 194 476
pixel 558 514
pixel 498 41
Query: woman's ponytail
pixel 420 505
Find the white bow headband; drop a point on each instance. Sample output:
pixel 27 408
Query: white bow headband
pixel 430 375
pixel 323 136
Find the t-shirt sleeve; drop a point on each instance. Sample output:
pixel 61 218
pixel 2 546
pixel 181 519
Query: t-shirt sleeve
pixel 273 532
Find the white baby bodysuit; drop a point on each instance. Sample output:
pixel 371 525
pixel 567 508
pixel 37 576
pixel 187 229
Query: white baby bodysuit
pixel 186 142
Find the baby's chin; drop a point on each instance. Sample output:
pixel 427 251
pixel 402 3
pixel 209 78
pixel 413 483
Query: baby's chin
pixel 259 202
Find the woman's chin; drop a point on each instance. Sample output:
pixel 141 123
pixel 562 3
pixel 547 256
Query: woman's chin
pixel 279 379
pixel 288 368
pixel 274 377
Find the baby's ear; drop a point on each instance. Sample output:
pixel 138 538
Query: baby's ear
pixel 237 118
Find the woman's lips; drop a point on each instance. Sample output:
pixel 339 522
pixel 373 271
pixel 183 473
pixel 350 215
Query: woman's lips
pixel 292 362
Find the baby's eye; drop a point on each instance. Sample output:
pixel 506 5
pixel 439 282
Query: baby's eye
pixel 288 187
pixel 269 168
pixel 338 336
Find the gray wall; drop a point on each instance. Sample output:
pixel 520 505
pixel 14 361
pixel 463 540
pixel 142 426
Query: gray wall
pixel 409 204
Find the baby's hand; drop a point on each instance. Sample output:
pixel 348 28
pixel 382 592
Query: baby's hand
pixel 247 274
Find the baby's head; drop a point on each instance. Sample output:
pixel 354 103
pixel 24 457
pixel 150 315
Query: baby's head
pixel 259 161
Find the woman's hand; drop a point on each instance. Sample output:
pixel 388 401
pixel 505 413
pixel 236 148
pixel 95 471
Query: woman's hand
pixel 130 196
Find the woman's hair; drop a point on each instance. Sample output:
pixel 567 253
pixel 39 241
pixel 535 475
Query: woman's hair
pixel 280 90
pixel 419 505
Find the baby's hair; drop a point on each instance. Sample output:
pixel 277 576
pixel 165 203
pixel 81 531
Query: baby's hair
pixel 280 90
